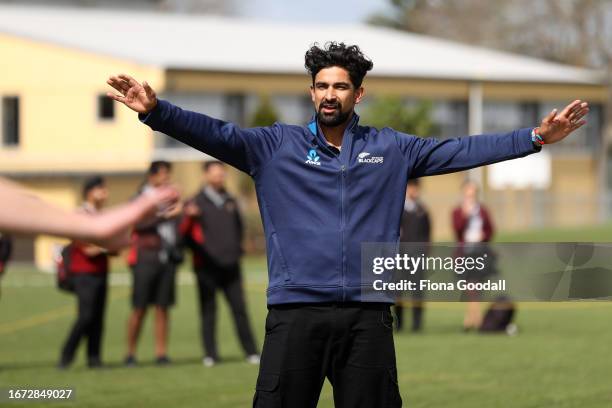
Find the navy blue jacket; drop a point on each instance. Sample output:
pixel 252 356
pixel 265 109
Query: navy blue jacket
pixel 317 206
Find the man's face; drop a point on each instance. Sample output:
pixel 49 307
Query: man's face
pixel 334 96
pixel 161 178
pixel 214 176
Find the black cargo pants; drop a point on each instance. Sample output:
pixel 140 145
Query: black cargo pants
pixel 351 344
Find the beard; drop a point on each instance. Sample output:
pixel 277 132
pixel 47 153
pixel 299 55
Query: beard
pixel 333 119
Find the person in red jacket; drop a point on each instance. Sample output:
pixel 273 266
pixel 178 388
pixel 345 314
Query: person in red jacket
pixel 472 225
pixel 89 268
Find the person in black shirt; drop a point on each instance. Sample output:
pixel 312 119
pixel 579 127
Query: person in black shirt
pixel 415 228
pixel 214 231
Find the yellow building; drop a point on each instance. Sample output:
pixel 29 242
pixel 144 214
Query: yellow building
pixel 57 126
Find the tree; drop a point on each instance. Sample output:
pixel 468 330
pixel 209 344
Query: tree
pixel 575 32
pixel 265 114
pixel 570 31
pixel 392 112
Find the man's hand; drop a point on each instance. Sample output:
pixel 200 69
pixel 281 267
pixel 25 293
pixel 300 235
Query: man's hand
pixel 173 211
pixel 556 126
pixel 163 197
pixel 139 98
pixel 93 250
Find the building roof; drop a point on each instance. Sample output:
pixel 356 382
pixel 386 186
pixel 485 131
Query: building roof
pixel 213 43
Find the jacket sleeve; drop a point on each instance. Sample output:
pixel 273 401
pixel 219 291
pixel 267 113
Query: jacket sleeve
pixel 245 149
pixel 186 226
pixel 191 232
pixel 430 156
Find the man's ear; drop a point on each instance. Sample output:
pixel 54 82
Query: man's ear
pixel 359 94
pixel 312 93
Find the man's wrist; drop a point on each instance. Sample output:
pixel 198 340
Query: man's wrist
pixel 155 102
pixel 144 117
pixel 536 138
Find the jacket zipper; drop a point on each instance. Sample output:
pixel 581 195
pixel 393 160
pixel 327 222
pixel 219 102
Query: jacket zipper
pixel 348 131
pixel 343 171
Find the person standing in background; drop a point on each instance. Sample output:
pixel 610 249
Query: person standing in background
pixel 214 229
pixel 153 258
pixel 472 226
pixel 89 268
pixel 415 228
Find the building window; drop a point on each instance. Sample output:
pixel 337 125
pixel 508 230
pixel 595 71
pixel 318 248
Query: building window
pixel 10 121
pixel 503 116
pixel 450 118
pixel 106 108
pixel 529 114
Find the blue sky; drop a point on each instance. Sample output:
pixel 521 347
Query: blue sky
pixel 329 11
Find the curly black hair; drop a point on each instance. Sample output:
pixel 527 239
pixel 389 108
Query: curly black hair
pixel 335 54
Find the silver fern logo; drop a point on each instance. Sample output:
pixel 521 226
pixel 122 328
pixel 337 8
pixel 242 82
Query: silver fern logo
pixel 365 157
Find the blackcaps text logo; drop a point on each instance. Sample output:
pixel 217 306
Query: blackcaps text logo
pixel 365 157
pixel 313 158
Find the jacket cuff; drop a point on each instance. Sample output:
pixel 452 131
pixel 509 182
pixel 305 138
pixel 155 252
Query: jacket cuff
pixel 526 145
pixel 155 114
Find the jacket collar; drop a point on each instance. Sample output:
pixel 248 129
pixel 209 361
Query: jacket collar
pixel 315 132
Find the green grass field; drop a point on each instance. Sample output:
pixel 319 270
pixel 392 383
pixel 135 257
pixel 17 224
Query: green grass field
pixel 560 358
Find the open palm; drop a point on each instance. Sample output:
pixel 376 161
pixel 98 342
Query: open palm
pixel 557 126
pixel 139 98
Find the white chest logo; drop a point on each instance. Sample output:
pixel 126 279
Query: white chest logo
pixel 367 158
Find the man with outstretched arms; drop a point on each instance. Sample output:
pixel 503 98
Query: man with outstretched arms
pixel 323 189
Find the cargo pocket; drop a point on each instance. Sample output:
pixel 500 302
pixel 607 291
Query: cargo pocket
pixel 272 321
pixel 267 393
pixel 394 400
pixel 386 318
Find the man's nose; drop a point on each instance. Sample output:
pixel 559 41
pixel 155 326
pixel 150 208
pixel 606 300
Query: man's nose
pixel 330 95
